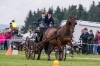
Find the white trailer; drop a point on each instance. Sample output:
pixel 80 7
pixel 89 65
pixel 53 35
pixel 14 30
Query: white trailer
pixel 81 25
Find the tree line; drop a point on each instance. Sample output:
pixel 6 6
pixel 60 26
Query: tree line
pixel 59 14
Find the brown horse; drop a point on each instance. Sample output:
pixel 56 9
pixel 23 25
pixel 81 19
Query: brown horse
pixel 58 37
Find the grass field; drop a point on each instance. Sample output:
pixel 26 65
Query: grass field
pixel 20 60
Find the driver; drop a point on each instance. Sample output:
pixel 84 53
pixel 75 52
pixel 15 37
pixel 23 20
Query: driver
pixel 41 19
pixel 49 19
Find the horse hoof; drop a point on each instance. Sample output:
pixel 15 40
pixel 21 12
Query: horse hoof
pixel 38 59
pixel 72 56
pixel 49 59
pixel 60 59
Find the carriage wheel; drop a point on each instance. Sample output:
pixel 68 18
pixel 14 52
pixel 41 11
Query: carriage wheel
pixel 32 53
pixel 27 54
pixel 27 48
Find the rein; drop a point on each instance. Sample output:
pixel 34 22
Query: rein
pixel 56 36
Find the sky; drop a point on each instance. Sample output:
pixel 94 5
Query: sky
pixel 18 9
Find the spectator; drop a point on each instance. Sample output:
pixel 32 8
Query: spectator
pixel 95 46
pixel 84 37
pixel 11 26
pixel 2 41
pixel 5 44
pixel 98 42
pixel 9 37
pixel 90 41
pixel 82 31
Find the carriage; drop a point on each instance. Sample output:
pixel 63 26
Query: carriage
pixel 33 45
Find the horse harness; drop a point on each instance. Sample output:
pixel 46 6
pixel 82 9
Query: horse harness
pixel 56 36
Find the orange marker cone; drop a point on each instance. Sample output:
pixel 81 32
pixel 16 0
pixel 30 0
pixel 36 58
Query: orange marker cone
pixel 9 51
pixel 56 63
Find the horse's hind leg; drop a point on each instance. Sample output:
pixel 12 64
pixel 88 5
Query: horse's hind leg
pixel 49 52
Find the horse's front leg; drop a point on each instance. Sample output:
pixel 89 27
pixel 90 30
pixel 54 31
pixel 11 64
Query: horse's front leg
pixel 60 50
pixel 39 54
pixel 40 50
pixel 49 52
pixel 72 51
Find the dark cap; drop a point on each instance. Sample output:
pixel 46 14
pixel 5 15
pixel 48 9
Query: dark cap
pixel 10 23
pixel 85 29
pixel 13 20
pixel 91 31
pixel 49 12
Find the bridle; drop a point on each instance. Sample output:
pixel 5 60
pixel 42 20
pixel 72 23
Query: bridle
pixel 71 24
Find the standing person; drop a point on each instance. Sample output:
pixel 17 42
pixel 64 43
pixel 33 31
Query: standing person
pixel 49 19
pixel 9 37
pixel 11 26
pixel 2 41
pixel 5 44
pixel 41 19
pixel 90 41
pixel 95 46
pixel 84 37
pixel 82 31
pixel 14 28
pixel 98 42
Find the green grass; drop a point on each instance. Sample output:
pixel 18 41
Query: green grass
pixel 20 60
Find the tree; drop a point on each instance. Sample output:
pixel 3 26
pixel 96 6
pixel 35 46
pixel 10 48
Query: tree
pixel 91 12
pixel 28 21
pixel 82 14
pixel 72 10
pixel 65 12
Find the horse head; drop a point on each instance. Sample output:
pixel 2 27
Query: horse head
pixel 71 22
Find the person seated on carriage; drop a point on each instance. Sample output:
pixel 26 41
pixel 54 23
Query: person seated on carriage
pixel 41 19
pixel 49 19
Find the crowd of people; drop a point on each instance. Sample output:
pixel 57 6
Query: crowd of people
pixel 6 36
pixel 90 41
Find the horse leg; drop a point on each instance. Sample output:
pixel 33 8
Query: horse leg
pixel 40 50
pixel 46 47
pixel 71 51
pixel 39 54
pixel 49 52
pixel 60 50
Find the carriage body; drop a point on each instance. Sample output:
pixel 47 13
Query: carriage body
pixel 39 33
